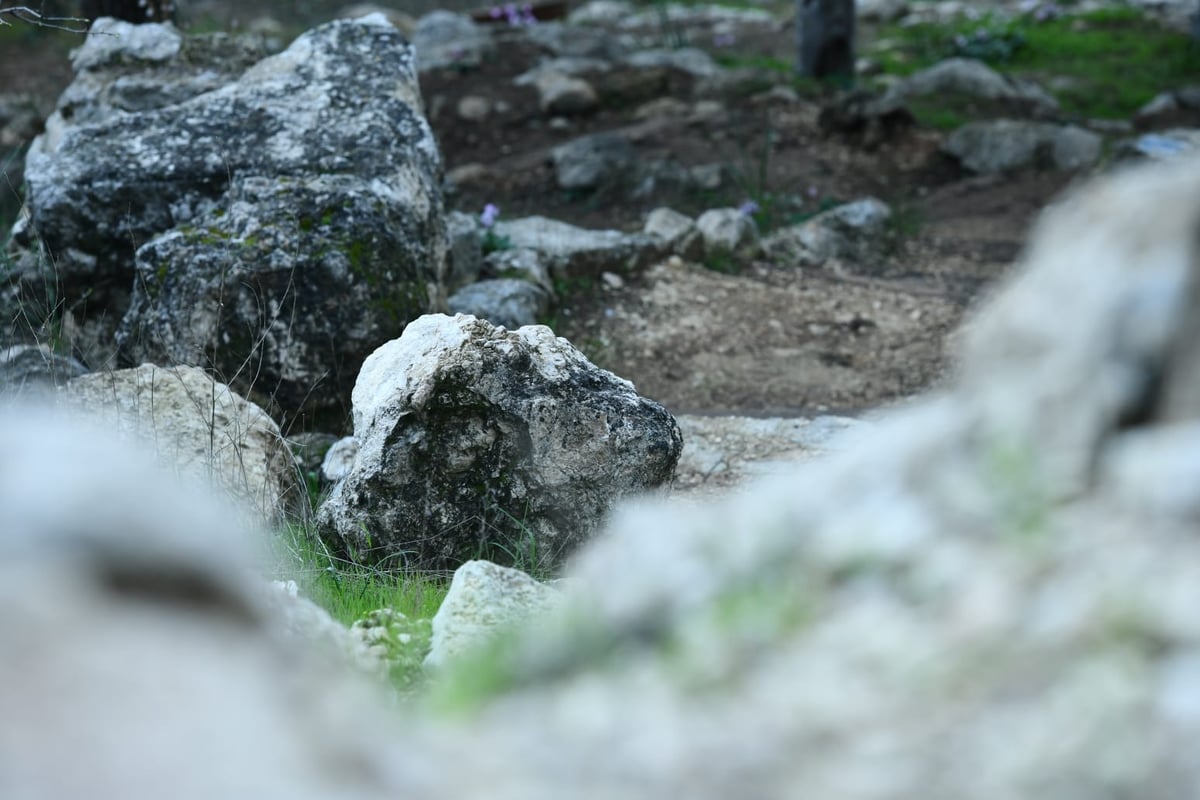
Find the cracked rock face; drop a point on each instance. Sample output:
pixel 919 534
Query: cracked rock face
pixel 475 441
pixel 275 229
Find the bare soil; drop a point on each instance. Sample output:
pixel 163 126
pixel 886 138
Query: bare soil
pixel 773 339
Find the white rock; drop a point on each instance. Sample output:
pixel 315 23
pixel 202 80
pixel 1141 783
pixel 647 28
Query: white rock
pixel 728 232
pixel 201 428
pixel 563 94
pixel 475 439
pixel 113 40
pixel 339 459
pixel 483 600
pixel 473 108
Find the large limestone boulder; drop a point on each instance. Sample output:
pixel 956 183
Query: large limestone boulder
pixel 480 442
pixel 120 68
pixel 275 229
pixel 200 428
pixel 507 302
pixel 124 67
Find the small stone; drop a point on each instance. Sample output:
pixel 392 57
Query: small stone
pixel 728 232
pixel 473 108
pixel 564 94
pixel 483 600
pixel 592 161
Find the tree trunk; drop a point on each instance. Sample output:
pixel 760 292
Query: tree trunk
pixel 825 38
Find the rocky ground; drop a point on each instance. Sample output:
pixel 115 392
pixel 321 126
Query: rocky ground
pixel 766 338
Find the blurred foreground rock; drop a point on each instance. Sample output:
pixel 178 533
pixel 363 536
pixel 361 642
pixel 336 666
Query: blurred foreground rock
pixel 990 591
pixel 990 594
pixel 134 626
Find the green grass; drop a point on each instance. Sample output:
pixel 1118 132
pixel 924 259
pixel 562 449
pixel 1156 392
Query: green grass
pixel 351 591
pixel 1113 61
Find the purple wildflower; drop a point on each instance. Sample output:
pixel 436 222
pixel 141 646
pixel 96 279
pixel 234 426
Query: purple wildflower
pixel 489 215
pixel 496 12
pixel 748 208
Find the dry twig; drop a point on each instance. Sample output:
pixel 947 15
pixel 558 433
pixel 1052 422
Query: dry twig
pixel 29 16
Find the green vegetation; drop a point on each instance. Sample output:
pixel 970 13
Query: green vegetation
pixel 1103 64
pixel 395 609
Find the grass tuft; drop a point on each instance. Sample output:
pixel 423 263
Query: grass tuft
pixel 350 592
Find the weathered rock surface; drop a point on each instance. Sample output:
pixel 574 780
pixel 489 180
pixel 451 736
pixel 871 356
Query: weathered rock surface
pixel 691 60
pixel 446 39
pixel 200 428
pixel 569 251
pixel 475 441
pixel 593 162
pixel 339 459
pixel 484 600
pixel 867 117
pixel 285 223
pixel 564 94
pixel 966 76
pixel 464 255
pixel 120 69
pixel 1005 144
pixel 677 231
pixel 855 232
pixel 132 68
pixel 728 233
pixel 507 302
pixel 576 41
pixel 522 263
pixel 721 452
